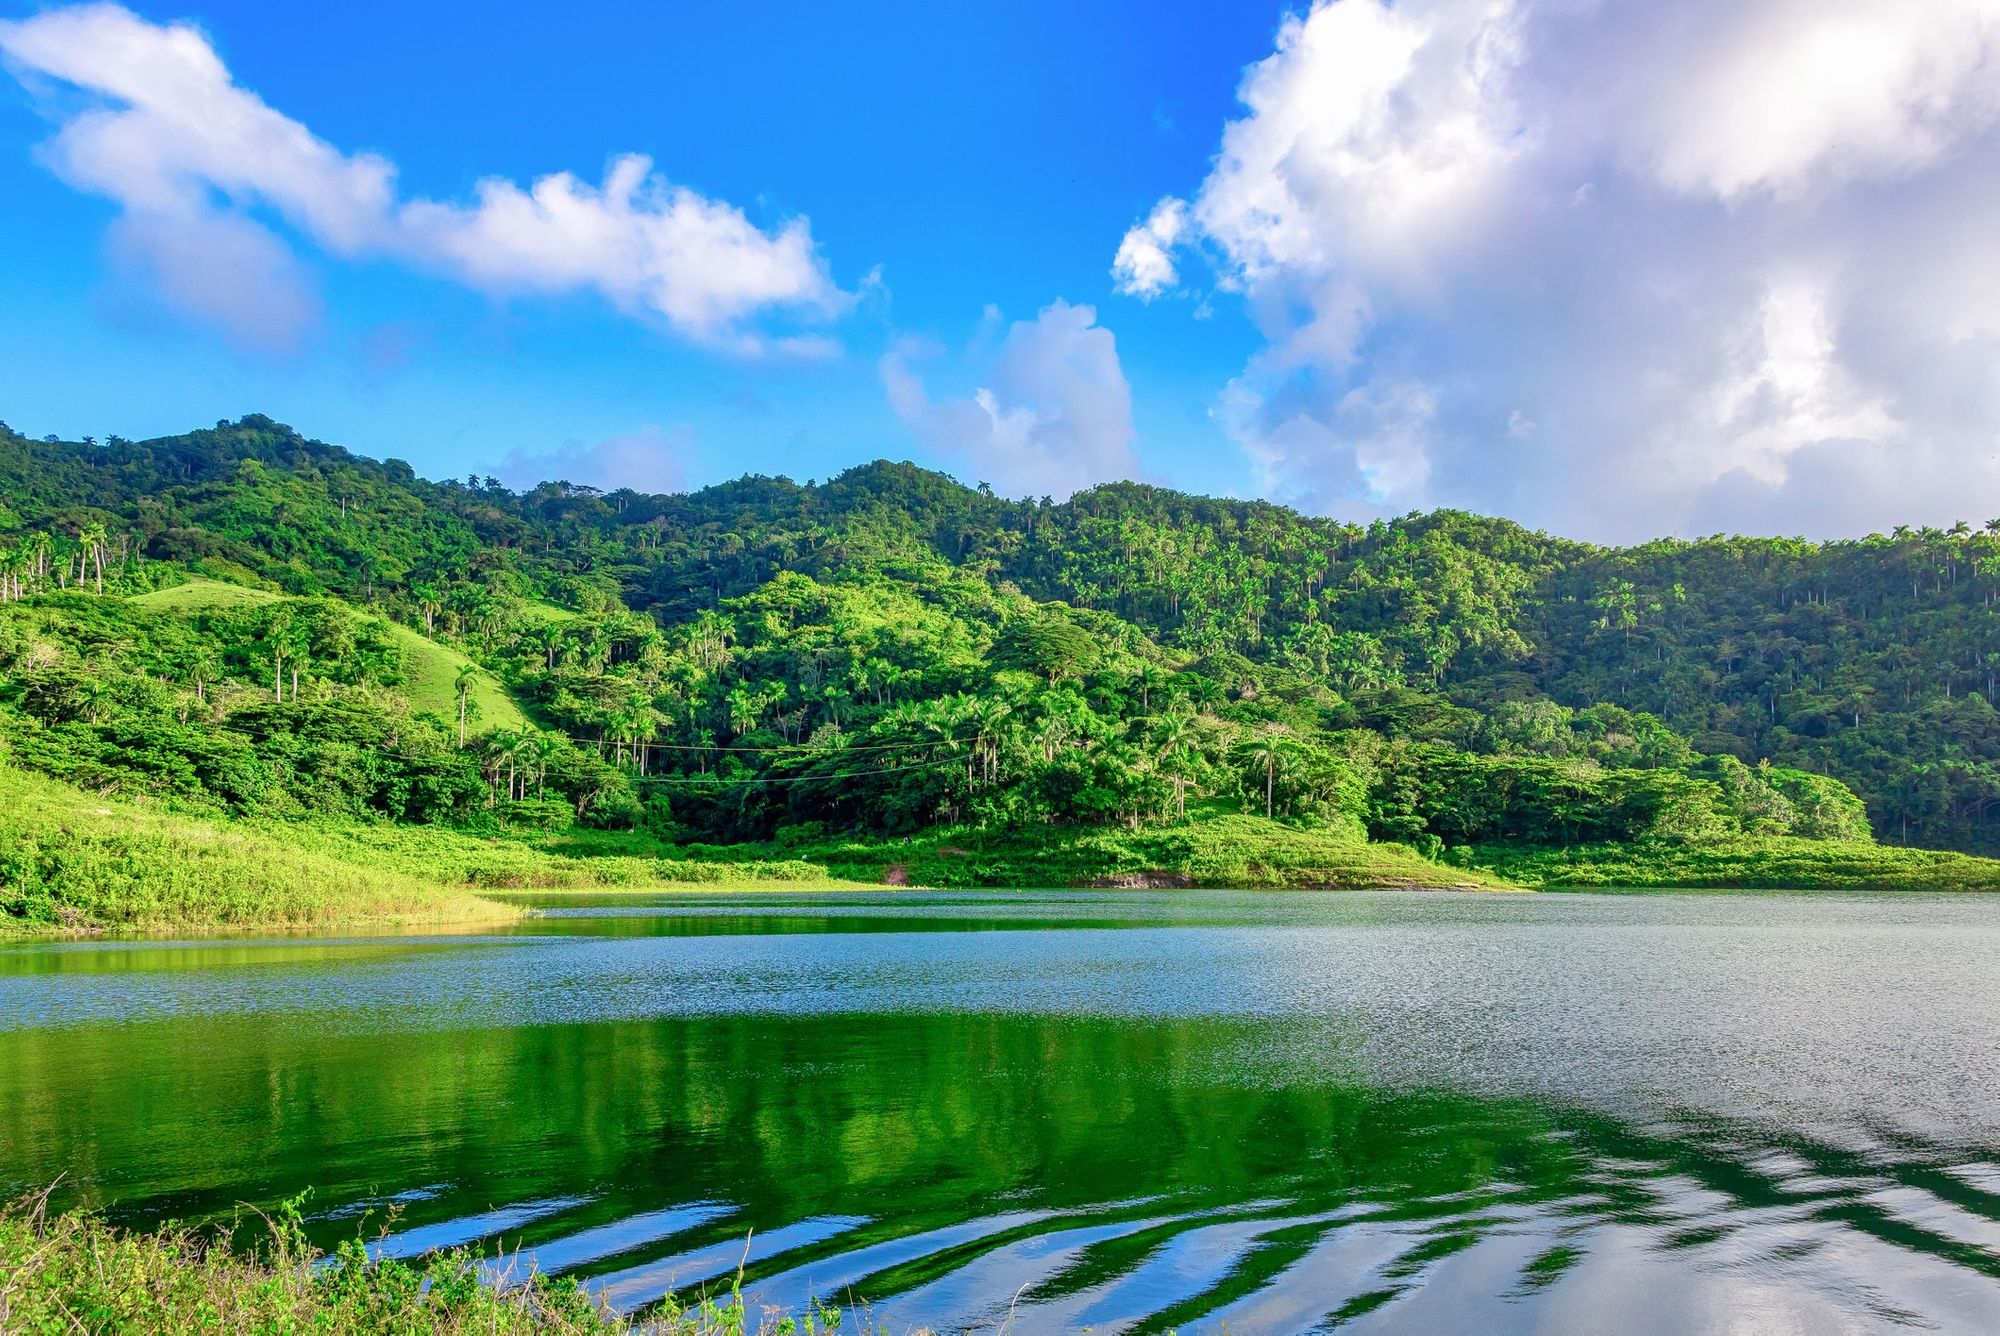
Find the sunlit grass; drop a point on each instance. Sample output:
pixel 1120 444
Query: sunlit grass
pixel 1223 850
pixel 1746 864
pixel 76 1273
pixel 430 669
pixel 70 861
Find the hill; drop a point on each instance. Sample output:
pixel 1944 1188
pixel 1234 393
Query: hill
pixel 430 670
pixel 252 625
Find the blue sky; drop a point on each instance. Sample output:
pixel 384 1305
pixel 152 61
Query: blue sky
pixel 979 157
pixel 1613 270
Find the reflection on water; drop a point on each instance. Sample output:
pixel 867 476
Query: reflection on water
pixel 1121 1112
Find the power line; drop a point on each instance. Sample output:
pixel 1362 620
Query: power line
pixel 781 747
pixel 698 781
pixel 717 782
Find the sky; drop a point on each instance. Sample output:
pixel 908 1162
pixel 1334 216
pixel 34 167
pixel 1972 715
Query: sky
pixel 1614 270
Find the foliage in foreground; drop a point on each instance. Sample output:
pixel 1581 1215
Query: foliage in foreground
pixel 75 1273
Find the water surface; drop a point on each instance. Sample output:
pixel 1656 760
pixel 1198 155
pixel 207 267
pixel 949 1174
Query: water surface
pixel 1121 1110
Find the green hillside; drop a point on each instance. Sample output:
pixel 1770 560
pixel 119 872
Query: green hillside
pixel 199 594
pixel 430 669
pixel 889 675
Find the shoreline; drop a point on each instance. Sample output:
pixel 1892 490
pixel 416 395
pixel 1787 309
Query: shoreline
pixel 512 913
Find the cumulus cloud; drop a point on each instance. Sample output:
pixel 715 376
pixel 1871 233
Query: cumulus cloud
pixel 1144 265
pixel 1614 269
pixel 191 158
pixel 647 460
pixel 1055 414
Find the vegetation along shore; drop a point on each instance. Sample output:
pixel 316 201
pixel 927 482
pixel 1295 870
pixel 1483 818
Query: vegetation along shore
pixel 250 679
pixel 75 1272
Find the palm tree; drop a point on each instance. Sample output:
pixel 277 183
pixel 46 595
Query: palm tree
pixel 280 635
pixel 92 539
pixel 462 684
pixel 13 564
pixel 745 709
pixel 1268 750
pixel 204 669
pixel 1148 677
pixel 630 724
pixel 990 717
pixel 499 747
pixel 548 749
pixel 1174 736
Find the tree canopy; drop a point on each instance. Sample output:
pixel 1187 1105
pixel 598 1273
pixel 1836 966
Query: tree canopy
pixel 889 651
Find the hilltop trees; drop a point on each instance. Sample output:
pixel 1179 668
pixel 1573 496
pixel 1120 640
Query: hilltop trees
pixel 889 650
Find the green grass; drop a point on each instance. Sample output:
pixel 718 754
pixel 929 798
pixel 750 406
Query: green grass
pixel 1747 864
pixel 75 1273
pixel 430 670
pixel 546 614
pixel 196 595
pixel 72 862
pixel 430 682
pixel 587 861
pixel 1212 851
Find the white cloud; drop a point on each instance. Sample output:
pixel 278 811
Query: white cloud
pixel 1768 96
pixel 1054 416
pixel 1144 265
pixel 647 460
pixel 1616 268
pixel 645 245
pixel 188 154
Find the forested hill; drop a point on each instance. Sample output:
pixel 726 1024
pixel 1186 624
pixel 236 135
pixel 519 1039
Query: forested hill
pixel 717 660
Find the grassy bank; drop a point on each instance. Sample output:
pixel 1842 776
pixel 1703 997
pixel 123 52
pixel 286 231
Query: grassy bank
pixel 74 1273
pixel 1222 850
pixel 587 860
pixel 1755 864
pixel 72 862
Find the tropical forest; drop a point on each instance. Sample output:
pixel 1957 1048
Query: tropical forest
pixel 247 676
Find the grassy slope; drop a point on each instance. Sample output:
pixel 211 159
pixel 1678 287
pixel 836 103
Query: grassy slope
pixel 74 862
pixel 1775 864
pixel 70 861
pixel 430 669
pixel 1217 851
pixel 459 858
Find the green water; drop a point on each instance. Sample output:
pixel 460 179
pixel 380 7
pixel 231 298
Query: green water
pixel 1116 1110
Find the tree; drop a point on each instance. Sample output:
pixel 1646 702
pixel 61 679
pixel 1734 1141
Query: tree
pixel 462 684
pixel 1174 739
pixel 1264 752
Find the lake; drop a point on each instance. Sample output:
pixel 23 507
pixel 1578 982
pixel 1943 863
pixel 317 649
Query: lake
pixel 1120 1110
